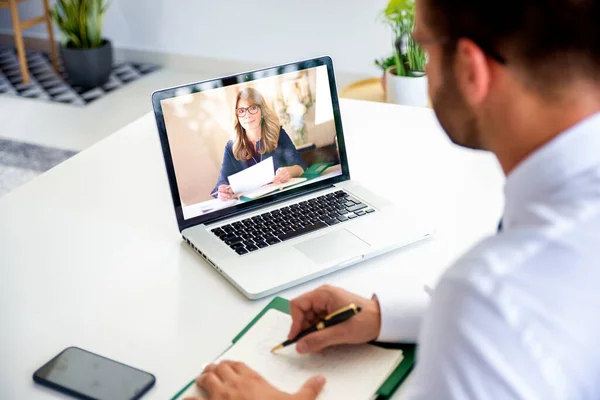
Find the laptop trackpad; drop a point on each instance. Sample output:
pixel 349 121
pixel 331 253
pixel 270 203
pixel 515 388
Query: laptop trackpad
pixel 338 245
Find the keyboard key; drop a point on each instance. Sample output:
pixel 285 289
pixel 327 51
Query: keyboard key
pixel 237 245
pixel 359 213
pixel 241 251
pixel 299 232
pixel 251 247
pixel 331 221
pixel 352 216
pixel 342 218
pixel 218 231
pixel 356 207
pixel 370 211
pixel 273 240
pixel 261 244
pixel 234 241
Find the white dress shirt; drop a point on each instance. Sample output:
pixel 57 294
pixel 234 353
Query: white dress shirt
pixel 518 316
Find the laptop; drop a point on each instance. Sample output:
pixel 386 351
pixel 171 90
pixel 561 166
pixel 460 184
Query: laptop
pixel 260 178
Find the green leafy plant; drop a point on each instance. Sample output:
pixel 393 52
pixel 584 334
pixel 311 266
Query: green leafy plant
pixel 385 63
pixel 80 22
pixel 399 15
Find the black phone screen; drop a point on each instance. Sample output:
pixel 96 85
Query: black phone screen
pixel 89 376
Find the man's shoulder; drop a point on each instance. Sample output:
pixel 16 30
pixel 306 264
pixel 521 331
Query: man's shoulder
pixel 493 260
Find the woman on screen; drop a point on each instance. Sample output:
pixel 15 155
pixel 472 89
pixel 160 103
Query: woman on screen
pixel 258 136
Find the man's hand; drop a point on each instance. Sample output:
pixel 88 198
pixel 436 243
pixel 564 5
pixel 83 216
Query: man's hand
pixel 313 307
pixel 235 381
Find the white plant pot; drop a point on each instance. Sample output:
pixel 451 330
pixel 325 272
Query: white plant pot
pixel 406 90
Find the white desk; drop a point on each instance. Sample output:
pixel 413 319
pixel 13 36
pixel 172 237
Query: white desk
pixel 90 254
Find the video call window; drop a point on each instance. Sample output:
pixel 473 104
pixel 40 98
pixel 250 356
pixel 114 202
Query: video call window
pixel 246 141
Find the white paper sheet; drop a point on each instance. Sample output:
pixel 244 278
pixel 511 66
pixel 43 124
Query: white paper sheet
pixel 253 177
pixel 352 372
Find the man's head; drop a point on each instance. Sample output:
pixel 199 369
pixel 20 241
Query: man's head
pixel 491 62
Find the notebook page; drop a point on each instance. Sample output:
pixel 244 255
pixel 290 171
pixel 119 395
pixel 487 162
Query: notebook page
pixel 272 187
pixel 352 372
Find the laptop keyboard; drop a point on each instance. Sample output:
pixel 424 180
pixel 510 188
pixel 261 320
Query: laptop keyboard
pixel 287 223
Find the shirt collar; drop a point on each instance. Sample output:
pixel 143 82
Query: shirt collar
pixel 554 164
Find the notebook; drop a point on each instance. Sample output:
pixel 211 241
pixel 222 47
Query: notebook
pixel 270 188
pixel 352 371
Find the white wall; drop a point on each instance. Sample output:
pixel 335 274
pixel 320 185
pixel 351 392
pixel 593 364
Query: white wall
pixel 257 31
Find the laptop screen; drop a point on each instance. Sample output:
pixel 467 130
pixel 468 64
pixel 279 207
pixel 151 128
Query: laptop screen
pixel 237 141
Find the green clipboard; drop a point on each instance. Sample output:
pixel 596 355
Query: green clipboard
pixel 315 170
pixel 385 391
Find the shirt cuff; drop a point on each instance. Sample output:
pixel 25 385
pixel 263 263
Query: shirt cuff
pixel 401 316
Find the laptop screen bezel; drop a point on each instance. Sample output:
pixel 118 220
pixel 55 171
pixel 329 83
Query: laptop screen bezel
pixel 244 77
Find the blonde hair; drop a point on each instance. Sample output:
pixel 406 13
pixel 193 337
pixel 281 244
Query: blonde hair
pixel 242 147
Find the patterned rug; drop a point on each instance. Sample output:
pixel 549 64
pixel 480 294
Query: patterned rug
pixel 21 162
pixel 47 84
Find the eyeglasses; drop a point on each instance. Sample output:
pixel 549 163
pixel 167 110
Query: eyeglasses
pixel 241 112
pixel 404 40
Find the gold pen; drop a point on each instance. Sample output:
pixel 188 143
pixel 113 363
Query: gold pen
pixel 334 318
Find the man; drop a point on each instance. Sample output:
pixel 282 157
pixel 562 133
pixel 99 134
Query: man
pixel 517 317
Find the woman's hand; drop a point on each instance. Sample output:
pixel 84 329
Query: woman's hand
pixel 283 175
pixel 235 381
pixel 225 193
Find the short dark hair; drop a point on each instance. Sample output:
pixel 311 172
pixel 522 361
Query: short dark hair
pixel 551 41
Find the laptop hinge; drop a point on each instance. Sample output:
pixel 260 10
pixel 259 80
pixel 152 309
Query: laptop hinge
pixel 279 201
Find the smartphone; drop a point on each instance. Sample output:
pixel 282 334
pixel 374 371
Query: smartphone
pixel 86 375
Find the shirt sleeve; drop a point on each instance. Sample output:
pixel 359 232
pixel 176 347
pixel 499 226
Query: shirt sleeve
pixel 401 314
pixel 468 351
pixel 291 155
pixel 227 167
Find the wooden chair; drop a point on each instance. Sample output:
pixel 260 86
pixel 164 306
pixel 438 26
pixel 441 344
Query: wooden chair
pixel 19 26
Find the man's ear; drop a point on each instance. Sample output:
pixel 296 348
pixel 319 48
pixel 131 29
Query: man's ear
pixel 472 72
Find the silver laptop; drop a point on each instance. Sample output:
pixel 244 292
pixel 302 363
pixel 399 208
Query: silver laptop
pixel 261 182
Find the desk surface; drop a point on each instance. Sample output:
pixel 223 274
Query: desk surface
pixel 90 254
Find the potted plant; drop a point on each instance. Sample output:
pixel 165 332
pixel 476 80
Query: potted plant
pixel 384 64
pixel 86 54
pixel 405 80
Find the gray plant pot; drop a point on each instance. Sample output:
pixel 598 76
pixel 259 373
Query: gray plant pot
pixel 88 68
